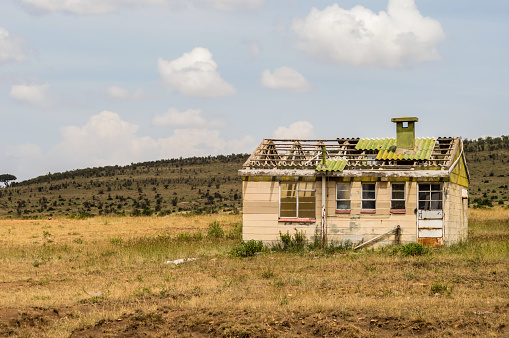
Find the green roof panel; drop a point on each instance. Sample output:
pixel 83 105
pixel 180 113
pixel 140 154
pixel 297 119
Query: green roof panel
pixel 333 165
pixel 387 148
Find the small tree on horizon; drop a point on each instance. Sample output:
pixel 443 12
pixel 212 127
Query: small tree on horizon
pixel 6 178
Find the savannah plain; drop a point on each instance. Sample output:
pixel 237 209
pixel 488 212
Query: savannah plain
pixel 113 276
pixel 152 250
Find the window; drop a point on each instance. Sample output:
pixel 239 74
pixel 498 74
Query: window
pixel 343 196
pixel 398 197
pixel 430 196
pixel 368 196
pixel 297 200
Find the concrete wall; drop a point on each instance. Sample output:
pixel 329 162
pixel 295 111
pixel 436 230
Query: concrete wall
pixel 455 214
pixel 358 226
pixel 261 211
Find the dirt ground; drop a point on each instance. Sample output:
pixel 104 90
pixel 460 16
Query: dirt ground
pixel 173 322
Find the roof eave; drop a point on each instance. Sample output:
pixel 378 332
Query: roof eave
pixel 344 173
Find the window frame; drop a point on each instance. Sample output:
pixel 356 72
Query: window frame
pixel 395 210
pixel 363 200
pixel 430 200
pixel 297 218
pixel 349 199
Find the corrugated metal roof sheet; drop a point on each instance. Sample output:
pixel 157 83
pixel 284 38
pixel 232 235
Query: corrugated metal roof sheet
pixel 376 144
pixel 387 148
pixel 333 165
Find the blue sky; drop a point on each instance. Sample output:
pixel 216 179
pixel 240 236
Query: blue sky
pixel 104 82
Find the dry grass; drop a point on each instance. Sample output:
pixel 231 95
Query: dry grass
pixel 100 229
pixel 116 280
pixel 498 214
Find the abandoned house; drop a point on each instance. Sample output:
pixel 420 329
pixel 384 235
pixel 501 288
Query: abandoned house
pixel 366 191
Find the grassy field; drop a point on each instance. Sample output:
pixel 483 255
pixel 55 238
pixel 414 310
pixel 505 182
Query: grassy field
pixel 112 276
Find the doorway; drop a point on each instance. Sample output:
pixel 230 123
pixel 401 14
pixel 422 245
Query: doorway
pixel 430 214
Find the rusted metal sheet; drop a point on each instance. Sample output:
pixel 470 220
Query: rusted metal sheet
pixel 434 242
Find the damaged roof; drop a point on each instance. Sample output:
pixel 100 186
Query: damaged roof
pixel 339 155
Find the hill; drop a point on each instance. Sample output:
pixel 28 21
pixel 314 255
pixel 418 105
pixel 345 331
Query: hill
pixel 196 184
pixel 488 163
pixel 199 185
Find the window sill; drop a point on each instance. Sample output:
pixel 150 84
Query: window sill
pixel 343 211
pixel 398 211
pixel 297 220
pixel 368 211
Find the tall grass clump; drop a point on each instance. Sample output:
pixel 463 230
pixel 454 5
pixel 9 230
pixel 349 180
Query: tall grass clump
pixel 291 243
pixel 247 249
pixel 342 246
pixel 235 232
pixel 215 230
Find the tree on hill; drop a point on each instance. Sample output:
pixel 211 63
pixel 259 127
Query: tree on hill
pixel 6 178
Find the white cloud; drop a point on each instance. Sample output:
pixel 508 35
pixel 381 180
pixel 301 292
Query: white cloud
pixel 202 142
pixel 235 5
pixel 38 95
pixel 85 7
pixel 11 48
pixel 360 37
pixel 297 130
pixel 190 118
pixel 194 74
pixel 285 78
pixel 106 139
pixel 116 92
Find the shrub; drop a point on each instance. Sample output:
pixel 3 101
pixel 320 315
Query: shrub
pixel 247 249
pixel 116 240
pixel 147 211
pixel 215 230
pixel 136 212
pixel 291 243
pixel 440 288
pixel 184 236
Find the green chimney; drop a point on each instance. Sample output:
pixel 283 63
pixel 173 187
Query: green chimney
pixel 405 132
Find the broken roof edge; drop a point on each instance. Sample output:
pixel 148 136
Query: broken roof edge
pixel 344 173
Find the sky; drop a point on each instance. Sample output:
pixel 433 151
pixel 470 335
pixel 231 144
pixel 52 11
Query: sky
pixel 88 83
